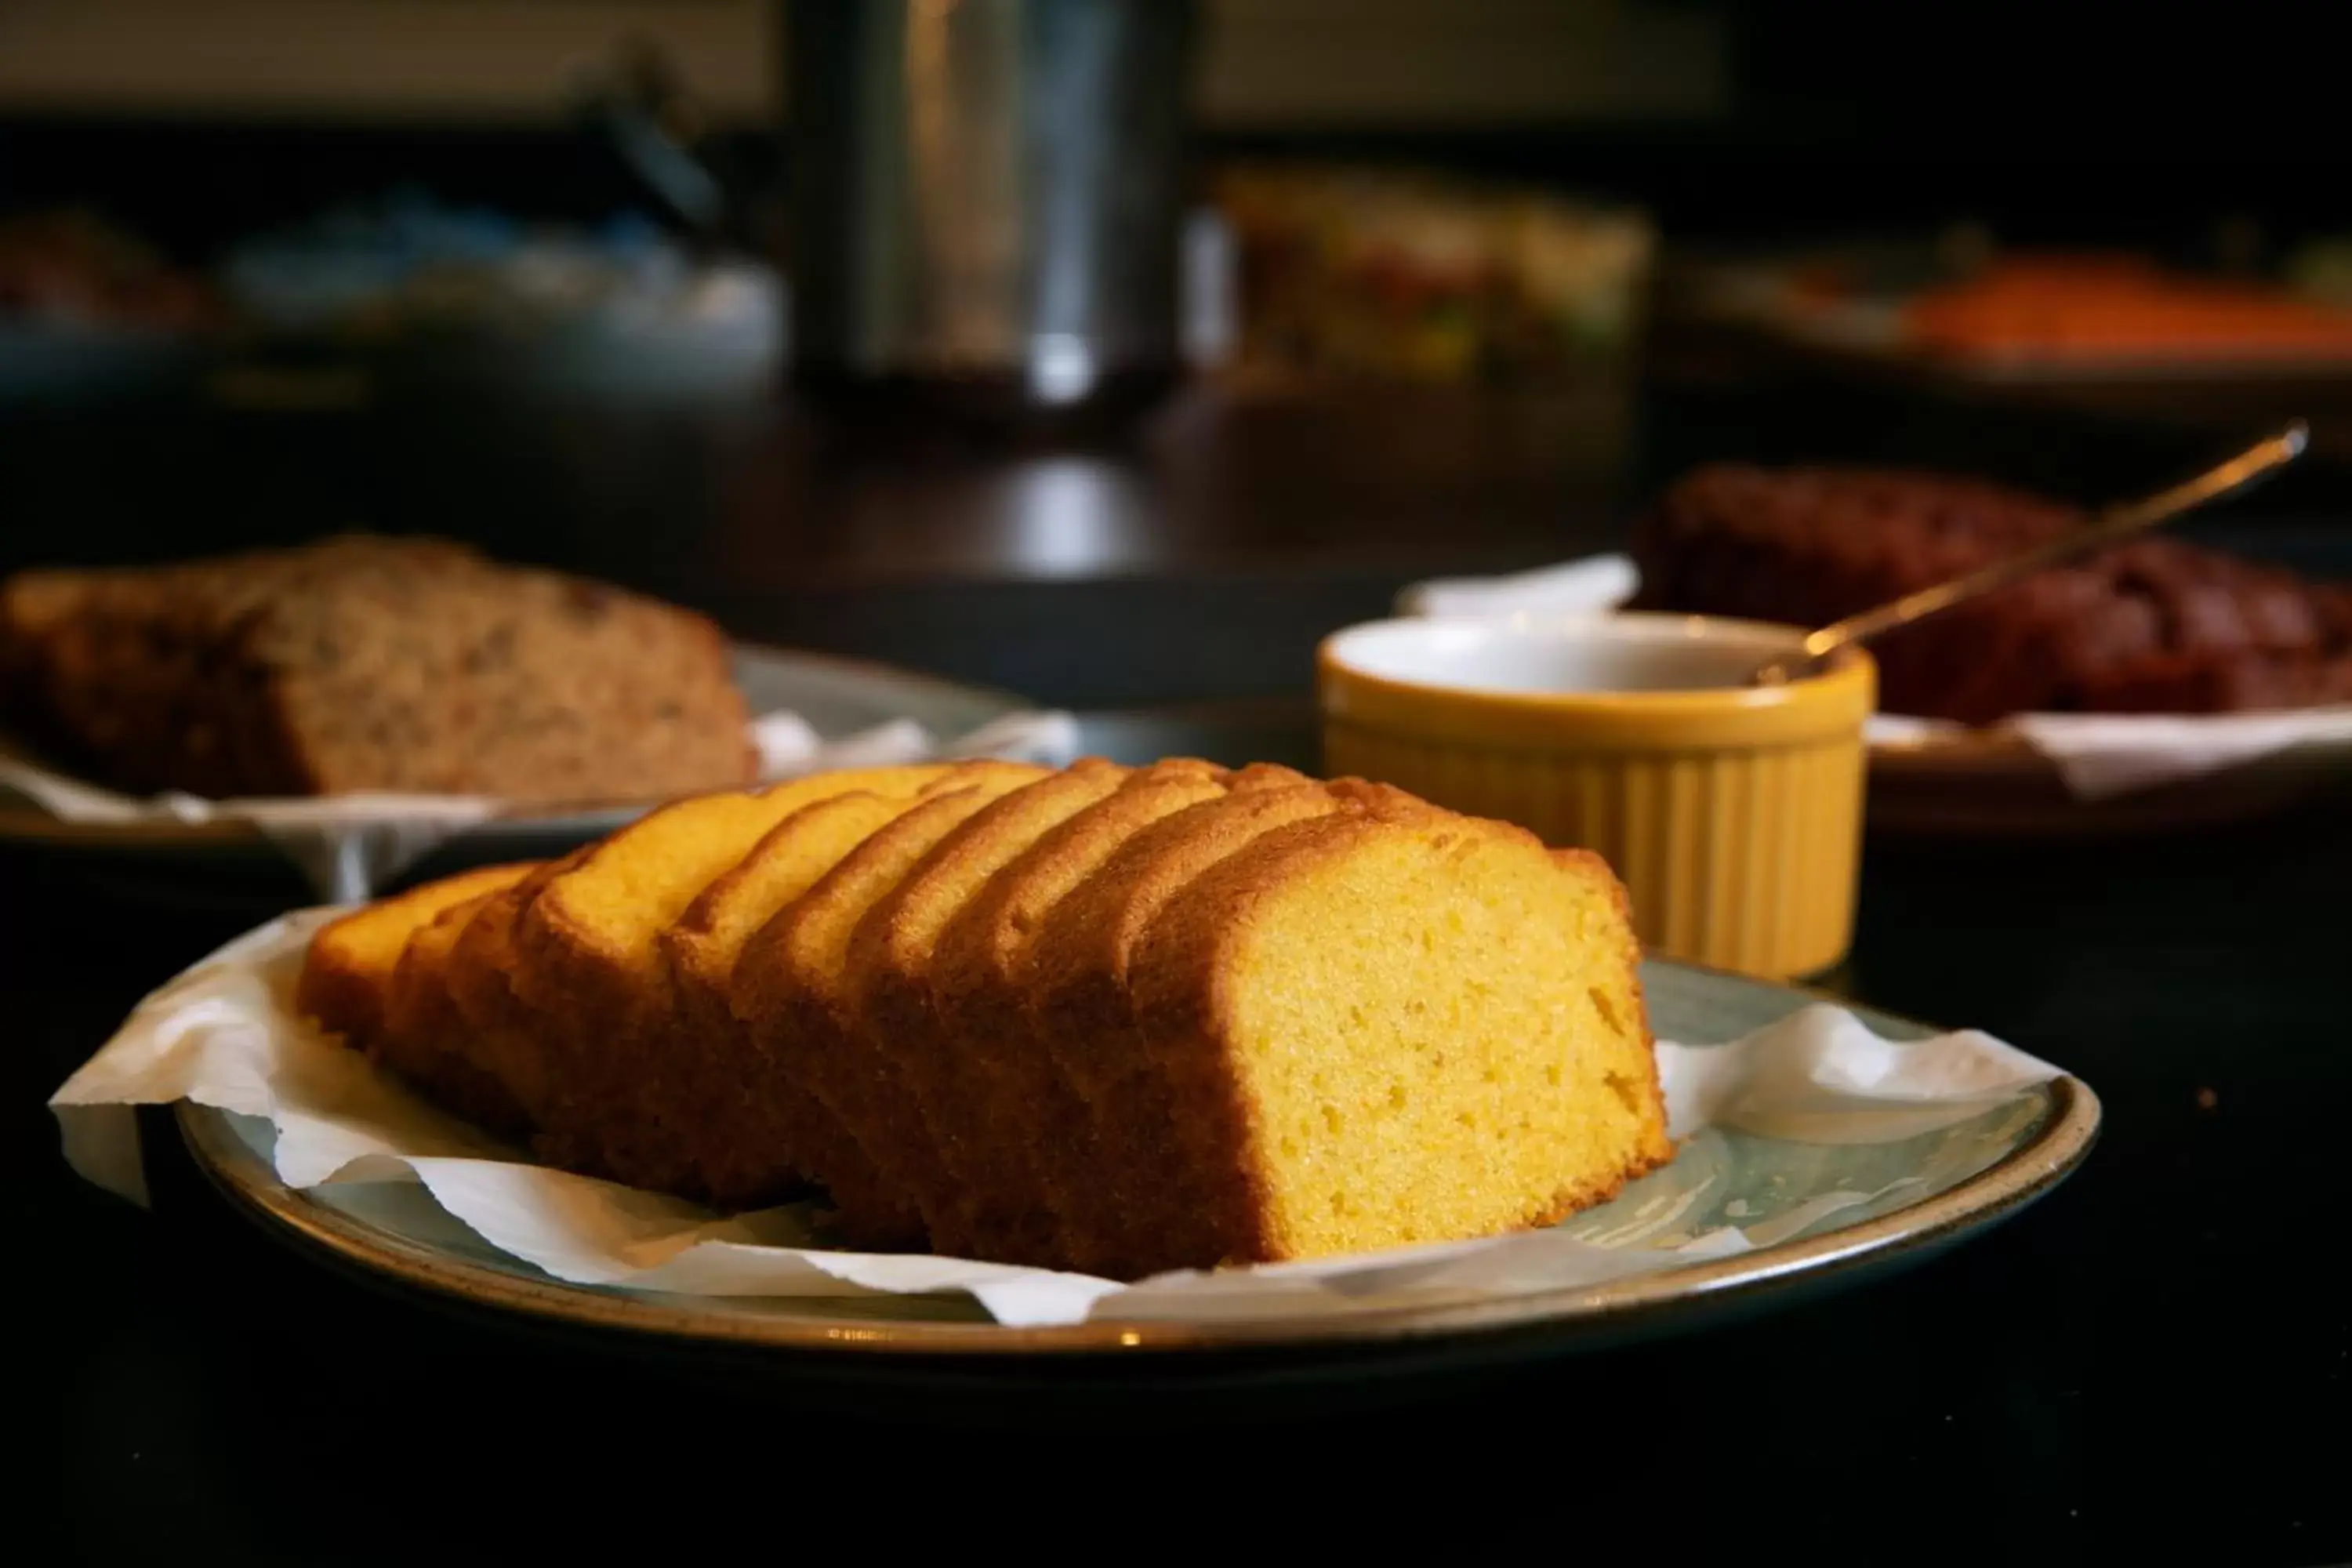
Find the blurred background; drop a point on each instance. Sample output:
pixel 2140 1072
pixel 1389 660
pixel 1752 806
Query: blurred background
pixel 1311 298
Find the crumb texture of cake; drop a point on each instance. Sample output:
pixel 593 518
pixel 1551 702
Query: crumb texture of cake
pixel 1117 1020
pixel 1381 1030
pixel 364 664
pixel 2152 626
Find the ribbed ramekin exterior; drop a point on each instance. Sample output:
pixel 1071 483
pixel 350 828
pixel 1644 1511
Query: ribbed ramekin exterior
pixel 1745 859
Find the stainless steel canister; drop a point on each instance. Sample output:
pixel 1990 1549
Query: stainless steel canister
pixel 987 194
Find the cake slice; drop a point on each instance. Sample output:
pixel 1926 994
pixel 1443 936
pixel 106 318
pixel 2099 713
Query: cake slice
pixel 417 1004
pixel 346 979
pixel 499 1034
pixel 425 1039
pixel 590 971
pixel 1011 1097
pixel 1379 1028
pixel 790 986
pixel 1079 1007
pixel 886 979
pixel 756 1131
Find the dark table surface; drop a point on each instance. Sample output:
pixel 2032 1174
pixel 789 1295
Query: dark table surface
pixel 2143 1362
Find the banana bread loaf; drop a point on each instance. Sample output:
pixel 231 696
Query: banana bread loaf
pixel 370 664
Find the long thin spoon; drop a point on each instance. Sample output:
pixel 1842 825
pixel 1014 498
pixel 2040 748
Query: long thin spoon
pixel 2116 523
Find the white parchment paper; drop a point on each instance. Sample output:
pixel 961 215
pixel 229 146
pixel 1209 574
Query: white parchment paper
pixel 350 845
pixel 2099 755
pixel 1816 1104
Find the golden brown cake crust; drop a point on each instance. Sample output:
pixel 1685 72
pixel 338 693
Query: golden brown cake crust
pixel 790 986
pixel 1080 1008
pixel 1013 1100
pixel 757 1133
pixel 344 985
pixel 1661 1149
pixel 425 1039
pixel 887 977
pixel 594 983
pixel 503 1038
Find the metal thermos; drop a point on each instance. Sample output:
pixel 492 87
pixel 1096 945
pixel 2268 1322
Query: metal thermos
pixel 987 197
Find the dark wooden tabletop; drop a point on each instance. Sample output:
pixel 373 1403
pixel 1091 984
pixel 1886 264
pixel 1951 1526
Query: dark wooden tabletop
pixel 2155 1359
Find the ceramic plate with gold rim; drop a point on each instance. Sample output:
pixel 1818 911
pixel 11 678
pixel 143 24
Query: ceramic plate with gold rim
pixel 1924 1193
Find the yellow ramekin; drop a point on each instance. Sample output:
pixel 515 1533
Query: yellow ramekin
pixel 1733 814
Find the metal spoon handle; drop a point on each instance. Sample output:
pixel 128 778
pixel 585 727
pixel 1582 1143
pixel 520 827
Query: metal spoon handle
pixel 2112 525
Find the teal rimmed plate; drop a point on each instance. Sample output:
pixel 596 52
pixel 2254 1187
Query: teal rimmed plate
pixel 1821 1216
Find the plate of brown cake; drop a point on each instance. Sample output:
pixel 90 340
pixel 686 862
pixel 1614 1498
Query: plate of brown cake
pixel 2159 685
pixel 183 709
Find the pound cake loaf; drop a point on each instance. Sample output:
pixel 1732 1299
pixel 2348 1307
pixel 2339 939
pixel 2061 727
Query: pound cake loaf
pixel 1106 1019
pixel 2154 625
pixel 370 664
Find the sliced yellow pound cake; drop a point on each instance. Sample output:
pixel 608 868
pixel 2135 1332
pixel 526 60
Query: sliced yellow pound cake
pixel 590 973
pixel 501 1036
pixel 1011 1099
pixel 759 1131
pixel 358 981
pixel 1080 1010
pixel 425 1039
pixel 790 986
pixel 893 1026
pixel 1382 1029
pixel 346 979
pixel 1110 1019
pixel 756 1130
